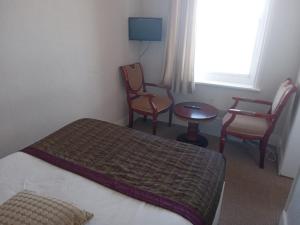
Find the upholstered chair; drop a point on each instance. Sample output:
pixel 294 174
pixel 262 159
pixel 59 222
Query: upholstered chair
pixel 253 125
pixel 142 102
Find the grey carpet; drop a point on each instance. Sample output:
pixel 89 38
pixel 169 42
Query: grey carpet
pixel 252 196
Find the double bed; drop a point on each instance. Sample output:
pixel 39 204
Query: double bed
pixel 121 175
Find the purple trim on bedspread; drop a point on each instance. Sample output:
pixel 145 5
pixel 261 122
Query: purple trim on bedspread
pixel 183 210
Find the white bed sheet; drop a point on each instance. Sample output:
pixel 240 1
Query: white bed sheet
pixel 20 171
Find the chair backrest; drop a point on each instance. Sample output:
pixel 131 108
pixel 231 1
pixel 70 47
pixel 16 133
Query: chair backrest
pixel 134 78
pixel 285 91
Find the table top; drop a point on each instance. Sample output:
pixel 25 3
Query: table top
pixel 195 111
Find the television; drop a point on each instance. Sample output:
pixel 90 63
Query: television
pixel 145 29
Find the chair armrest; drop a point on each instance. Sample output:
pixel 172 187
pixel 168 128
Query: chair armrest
pixel 249 113
pixel 157 85
pixel 263 102
pixel 166 87
pixel 145 94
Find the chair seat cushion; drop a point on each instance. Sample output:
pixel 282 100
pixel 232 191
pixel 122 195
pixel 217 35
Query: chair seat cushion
pixel 247 125
pixel 142 103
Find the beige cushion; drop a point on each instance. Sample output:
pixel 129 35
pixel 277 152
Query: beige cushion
pixel 142 103
pixel 135 76
pixel 283 90
pixel 247 125
pixel 26 208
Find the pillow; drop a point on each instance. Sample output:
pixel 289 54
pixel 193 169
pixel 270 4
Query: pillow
pixel 26 208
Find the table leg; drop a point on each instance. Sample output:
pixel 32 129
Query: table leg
pixel 192 136
pixel 192 132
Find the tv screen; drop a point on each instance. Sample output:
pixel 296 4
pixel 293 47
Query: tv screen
pixel 145 29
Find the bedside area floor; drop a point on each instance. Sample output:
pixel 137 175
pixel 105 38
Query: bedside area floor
pixel 253 196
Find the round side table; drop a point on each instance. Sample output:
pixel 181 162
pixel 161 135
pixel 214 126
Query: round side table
pixel 194 112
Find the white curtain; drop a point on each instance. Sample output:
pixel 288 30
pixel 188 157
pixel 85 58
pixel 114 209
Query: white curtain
pixel 180 49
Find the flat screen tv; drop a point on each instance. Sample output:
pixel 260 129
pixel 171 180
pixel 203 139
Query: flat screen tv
pixel 145 29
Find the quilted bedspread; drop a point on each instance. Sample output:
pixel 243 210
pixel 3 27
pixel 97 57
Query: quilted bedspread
pixel 180 177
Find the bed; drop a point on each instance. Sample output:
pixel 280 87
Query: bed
pixel 121 175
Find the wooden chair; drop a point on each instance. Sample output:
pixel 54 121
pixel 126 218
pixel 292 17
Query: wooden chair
pixel 253 125
pixel 142 102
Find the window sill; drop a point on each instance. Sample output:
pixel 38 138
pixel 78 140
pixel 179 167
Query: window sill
pixel 229 85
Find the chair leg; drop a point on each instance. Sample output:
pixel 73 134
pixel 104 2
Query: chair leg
pixel 170 116
pixel 222 141
pixel 154 124
pixel 130 118
pixel 145 118
pixel 262 149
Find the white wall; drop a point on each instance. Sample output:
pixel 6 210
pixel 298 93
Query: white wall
pixel 290 158
pixel 153 59
pixel 59 62
pixel 280 59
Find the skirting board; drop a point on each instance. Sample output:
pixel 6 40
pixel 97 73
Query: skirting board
pixel 283 218
pixel 122 121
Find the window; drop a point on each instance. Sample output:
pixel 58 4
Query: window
pixel 229 40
